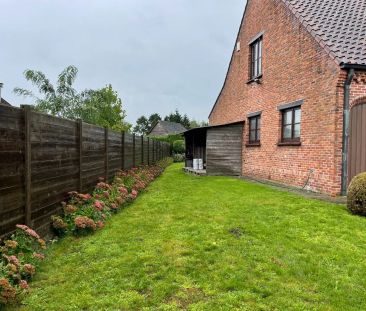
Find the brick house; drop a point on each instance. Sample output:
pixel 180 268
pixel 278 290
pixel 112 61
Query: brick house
pixel 297 79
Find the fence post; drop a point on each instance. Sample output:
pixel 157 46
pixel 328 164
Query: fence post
pixel 142 149
pixel 106 143
pixel 27 164
pixel 80 129
pixel 123 151
pixel 148 151
pixel 133 150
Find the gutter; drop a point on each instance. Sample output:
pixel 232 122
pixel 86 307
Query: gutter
pixel 353 66
pixel 346 122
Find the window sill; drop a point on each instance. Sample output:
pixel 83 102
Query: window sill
pixel 289 143
pixel 256 79
pixel 251 145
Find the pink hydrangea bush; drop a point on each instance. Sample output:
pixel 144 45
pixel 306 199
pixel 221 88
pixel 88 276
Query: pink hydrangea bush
pixel 85 213
pixel 20 255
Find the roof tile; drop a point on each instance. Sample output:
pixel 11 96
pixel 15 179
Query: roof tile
pixel 339 24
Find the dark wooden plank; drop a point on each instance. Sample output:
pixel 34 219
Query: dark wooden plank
pixel 106 142
pixel 80 168
pixel 123 151
pixel 133 150
pixel 223 150
pixel 27 166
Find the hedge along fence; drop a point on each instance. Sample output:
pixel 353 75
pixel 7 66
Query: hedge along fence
pixel 42 158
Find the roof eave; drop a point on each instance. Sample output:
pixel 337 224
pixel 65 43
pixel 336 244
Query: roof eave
pixel 211 126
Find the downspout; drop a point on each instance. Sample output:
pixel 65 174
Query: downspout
pixel 346 123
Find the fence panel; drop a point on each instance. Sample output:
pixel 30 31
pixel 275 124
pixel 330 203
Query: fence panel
pixel 54 164
pixel 146 150
pixel 93 155
pixel 12 194
pixel 128 151
pixel 42 158
pixel 114 153
pixel 138 151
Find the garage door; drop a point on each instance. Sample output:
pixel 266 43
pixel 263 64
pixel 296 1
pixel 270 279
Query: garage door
pixel 357 156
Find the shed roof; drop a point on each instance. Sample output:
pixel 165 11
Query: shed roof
pixel 171 127
pixel 4 102
pixel 211 126
pixel 338 25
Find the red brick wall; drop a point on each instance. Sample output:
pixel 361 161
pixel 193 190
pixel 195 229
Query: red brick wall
pixel 294 67
pixel 358 89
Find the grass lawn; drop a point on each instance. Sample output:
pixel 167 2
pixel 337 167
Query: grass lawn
pixel 210 243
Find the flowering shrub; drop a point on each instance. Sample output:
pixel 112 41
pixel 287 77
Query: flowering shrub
pixel 19 257
pixel 85 213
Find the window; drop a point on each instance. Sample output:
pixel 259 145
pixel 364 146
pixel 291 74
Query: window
pixel 255 130
pixel 291 124
pixel 256 58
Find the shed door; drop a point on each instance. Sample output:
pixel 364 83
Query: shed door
pixel 357 155
pixel 224 150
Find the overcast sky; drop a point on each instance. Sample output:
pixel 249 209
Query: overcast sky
pixel 158 54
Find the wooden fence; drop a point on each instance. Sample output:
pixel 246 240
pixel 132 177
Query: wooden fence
pixel 42 158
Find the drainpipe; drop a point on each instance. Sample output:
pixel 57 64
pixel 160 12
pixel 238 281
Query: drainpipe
pixel 346 122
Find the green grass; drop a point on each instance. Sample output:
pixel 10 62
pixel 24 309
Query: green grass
pixel 211 243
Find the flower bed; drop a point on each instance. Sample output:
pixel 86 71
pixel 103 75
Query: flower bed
pixel 83 214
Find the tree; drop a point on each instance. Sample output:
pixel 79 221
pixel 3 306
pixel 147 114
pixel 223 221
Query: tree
pixel 153 120
pixel 101 107
pixel 174 117
pixel 195 124
pixel 186 122
pixel 104 108
pixel 62 101
pixel 142 126
pixel 145 125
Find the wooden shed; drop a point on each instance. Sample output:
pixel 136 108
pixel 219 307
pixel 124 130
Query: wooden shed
pixel 220 147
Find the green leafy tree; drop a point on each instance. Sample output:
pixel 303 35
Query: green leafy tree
pixel 104 108
pixel 153 119
pixel 101 107
pixel 179 146
pixel 174 117
pixel 145 125
pixel 186 122
pixel 177 117
pixel 142 126
pixel 195 124
pixel 61 101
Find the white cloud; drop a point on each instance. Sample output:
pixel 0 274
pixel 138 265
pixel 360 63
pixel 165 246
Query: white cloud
pixel 159 54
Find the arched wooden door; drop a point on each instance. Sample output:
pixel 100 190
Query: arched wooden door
pixel 357 148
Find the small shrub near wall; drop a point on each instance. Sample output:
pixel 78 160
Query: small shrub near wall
pixel 178 158
pixel 21 255
pixel 356 198
pixel 179 147
pixel 83 214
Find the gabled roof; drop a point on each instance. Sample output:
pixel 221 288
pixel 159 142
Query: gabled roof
pixel 338 25
pixel 170 127
pixel 4 102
